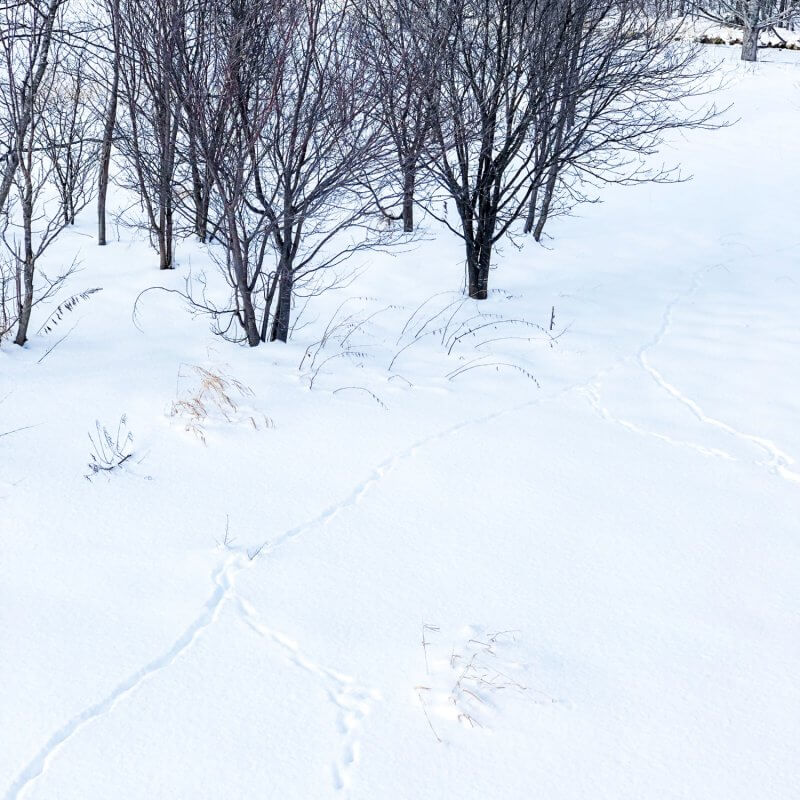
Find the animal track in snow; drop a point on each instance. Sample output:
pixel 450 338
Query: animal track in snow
pixel 778 461
pixel 224 577
pixel 222 580
pixel 353 702
pixel 592 393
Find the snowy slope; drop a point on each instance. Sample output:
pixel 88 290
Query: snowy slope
pixel 582 586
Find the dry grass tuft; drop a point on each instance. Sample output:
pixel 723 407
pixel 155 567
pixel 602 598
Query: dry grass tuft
pixel 216 395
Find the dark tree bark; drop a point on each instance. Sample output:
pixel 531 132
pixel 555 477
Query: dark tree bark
pixel 283 313
pixel 409 183
pixel 109 124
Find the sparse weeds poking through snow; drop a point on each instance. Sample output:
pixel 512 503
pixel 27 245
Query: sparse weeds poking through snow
pixel 461 326
pixel 213 397
pixel 109 452
pixel 338 337
pixel 68 305
pixel 464 681
pixel 228 542
pixel 338 331
pixel 363 389
pixel 466 335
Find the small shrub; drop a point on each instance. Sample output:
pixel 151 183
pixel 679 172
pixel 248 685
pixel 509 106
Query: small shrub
pixel 217 394
pixel 109 452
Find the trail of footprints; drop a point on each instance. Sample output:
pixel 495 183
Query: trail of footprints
pixel 777 461
pixel 353 701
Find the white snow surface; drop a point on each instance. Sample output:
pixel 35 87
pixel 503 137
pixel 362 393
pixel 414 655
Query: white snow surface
pixel 700 29
pixel 477 588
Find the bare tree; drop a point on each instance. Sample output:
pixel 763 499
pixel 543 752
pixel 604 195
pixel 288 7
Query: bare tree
pixel 403 62
pixel 484 113
pixel 36 214
pixel 227 87
pixel 318 144
pixel 296 137
pixel 557 96
pixel 26 42
pixel 147 41
pixel 536 92
pixel 229 91
pixel 202 48
pixel 754 16
pixel 69 134
pixel 611 103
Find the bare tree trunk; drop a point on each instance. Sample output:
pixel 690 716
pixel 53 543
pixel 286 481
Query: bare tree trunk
pixel 531 216
pixel 108 132
pixel 12 162
pixel 268 305
pixel 479 274
pixel 478 281
pixel 549 191
pixel 169 233
pixel 249 315
pixel 472 280
pixel 750 31
pixel 199 188
pixel 479 259
pixel 165 227
pixel 409 181
pixel 25 302
pixel 283 313
pixel 105 159
pixel 26 305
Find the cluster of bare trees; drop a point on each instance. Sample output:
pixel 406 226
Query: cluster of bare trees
pixel 288 135
pixel 527 104
pixel 45 169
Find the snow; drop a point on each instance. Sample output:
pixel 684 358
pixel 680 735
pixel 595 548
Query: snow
pixel 477 587
pixel 707 31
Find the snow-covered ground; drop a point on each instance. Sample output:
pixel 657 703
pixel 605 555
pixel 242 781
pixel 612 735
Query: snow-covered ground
pixel 580 584
pixel 706 31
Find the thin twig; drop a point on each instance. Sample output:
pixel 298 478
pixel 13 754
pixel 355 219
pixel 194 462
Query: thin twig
pixel 23 428
pixel 50 350
pixel 425 712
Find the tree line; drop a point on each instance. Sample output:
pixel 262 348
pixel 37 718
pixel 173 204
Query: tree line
pixel 288 135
